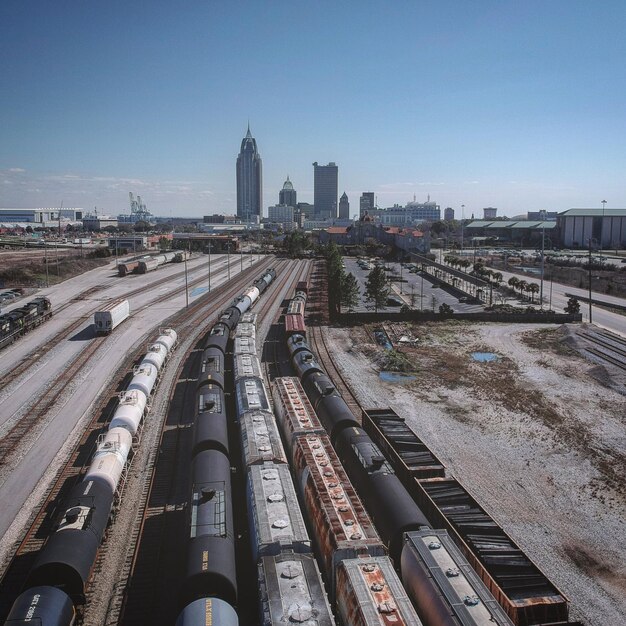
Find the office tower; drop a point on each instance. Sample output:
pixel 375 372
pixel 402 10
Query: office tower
pixel 344 207
pixel 249 180
pixel 366 202
pixel 490 213
pixel 325 189
pixel 448 214
pixel 287 195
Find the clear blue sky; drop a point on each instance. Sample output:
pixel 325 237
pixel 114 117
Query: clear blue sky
pixel 517 105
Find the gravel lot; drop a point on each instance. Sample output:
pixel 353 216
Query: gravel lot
pixel 538 437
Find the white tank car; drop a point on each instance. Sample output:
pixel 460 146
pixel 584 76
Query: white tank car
pixel 110 457
pixel 168 338
pixel 129 412
pixel 156 355
pixel 252 293
pixel 144 379
pixel 160 259
pixel 169 256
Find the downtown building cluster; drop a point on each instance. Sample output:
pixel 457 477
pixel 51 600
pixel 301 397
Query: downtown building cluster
pixel 328 209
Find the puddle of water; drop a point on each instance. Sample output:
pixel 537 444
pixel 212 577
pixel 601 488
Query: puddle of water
pixel 484 357
pixel 396 377
pixel 382 339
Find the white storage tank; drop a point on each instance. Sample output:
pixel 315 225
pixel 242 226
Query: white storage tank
pixel 156 356
pixel 129 412
pixel 144 379
pixel 111 316
pixel 110 457
pixel 167 337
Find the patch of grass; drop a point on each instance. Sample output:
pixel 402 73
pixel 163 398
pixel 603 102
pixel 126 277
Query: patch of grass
pixel 395 361
pixel 547 339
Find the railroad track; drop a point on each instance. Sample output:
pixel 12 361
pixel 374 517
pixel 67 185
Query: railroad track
pixel 30 422
pixel 35 355
pixel 76 465
pixel 275 358
pixel 319 344
pixel 152 562
pixel 604 349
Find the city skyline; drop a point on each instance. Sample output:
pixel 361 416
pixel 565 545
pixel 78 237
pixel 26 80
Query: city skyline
pixel 493 104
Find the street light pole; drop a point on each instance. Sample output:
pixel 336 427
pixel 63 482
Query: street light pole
pixel 209 243
pixel 422 290
pixel 590 319
pixel 543 233
pixel 462 219
pixel 228 258
pixel 603 203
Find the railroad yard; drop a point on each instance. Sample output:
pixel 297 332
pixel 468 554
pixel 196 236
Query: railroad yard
pixel 528 418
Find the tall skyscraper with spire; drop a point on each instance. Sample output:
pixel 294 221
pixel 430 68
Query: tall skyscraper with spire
pixel 249 180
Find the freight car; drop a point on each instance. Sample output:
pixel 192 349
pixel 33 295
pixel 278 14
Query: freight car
pixel 292 591
pixel 123 269
pixel 294 325
pixel 58 578
pixel 147 265
pixel 260 440
pixel 518 585
pixel 341 526
pixel 210 580
pixel 393 509
pixel 408 454
pixel 111 316
pixel 19 321
pixel 276 522
pixel 369 594
pixel 459 597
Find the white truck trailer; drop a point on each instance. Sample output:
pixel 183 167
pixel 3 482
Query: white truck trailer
pixel 111 316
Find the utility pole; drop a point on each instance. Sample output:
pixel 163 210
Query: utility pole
pixel 209 243
pixel 422 290
pixel 543 239
pixel 45 251
pixel 401 292
pixel 590 319
pixel 186 280
pixel 462 216
pixel 603 203
pixel 241 257
pixel 228 258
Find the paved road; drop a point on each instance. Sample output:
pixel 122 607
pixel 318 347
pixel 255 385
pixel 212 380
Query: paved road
pixel 414 290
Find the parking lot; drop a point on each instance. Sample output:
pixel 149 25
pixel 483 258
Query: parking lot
pixel 414 290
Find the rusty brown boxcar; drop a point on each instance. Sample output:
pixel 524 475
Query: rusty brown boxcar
pixel 294 413
pixel 369 593
pixel 341 527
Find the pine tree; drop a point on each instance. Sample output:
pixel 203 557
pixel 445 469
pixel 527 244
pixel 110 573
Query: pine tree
pixel 350 292
pixel 376 288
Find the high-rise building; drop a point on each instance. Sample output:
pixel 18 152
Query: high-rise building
pixel 281 214
pixel 448 214
pixel 344 207
pixel 287 195
pixel 366 202
pixel 490 213
pixel 249 180
pixel 325 190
